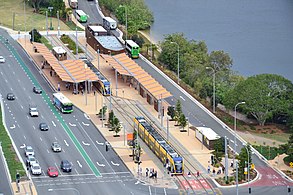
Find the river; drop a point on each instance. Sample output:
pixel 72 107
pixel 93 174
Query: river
pixel 258 34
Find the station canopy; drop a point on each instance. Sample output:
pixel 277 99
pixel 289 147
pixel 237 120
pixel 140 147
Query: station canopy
pixel 126 66
pixel 73 71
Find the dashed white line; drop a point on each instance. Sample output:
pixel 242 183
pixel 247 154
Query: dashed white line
pixel 34 127
pixel 21 106
pixel 100 143
pixel 101 165
pixel 182 98
pixel 41 139
pixel 84 143
pixel 29 97
pixel 56 138
pixel 115 164
pixel 72 125
pixel 80 165
pixel 76 171
pixel 24 137
pixel 85 124
pixel 48 151
pixel 53 123
pixel 66 143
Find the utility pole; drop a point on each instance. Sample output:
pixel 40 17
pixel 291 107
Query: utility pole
pixel 58 23
pixel 226 159
pixel 47 23
pixel 76 42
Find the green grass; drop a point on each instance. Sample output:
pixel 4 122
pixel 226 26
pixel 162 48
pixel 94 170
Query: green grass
pixel 72 26
pixel 33 20
pixel 71 44
pixel 46 42
pixel 268 153
pixel 283 137
pixel 9 153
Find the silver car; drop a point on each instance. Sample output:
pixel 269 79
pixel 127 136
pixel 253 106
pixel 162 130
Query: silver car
pixel 56 147
pixel 29 151
pixel 31 160
pixel 36 169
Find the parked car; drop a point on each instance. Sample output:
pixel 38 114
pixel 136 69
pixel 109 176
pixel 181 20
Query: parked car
pixel 66 166
pixel 10 96
pixel 33 110
pixel 56 147
pixel 37 90
pixel 29 151
pixel 36 169
pixel 2 59
pixel 44 127
pixel 31 160
pixel 52 172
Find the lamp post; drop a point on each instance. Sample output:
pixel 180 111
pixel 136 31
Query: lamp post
pixel 58 28
pixel 239 103
pixel 50 9
pixel 248 170
pixel 214 87
pixel 99 59
pixel 177 61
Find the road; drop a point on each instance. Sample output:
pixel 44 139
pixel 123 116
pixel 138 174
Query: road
pixel 94 169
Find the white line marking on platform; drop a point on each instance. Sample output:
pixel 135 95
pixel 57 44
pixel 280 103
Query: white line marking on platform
pixel 85 124
pixel 72 125
pixel 100 143
pixel 101 165
pixel 86 144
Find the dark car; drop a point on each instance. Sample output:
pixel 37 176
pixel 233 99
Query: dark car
pixel 10 96
pixel 37 90
pixel 44 127
pixel 66 166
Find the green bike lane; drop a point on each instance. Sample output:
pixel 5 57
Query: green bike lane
pixel 56 113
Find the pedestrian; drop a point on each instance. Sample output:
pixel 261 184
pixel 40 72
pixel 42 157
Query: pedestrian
pixel 146 172
pixel 189 174
pixel 214 172
pixel 209 169
pixel 81 91
pixel 231 164
pixel 223 169
pixel 197 173
pixel 51 73
pixel 156 174
pixel 58 86
pixel 94 92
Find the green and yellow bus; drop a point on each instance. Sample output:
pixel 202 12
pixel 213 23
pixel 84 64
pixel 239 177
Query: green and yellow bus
pixel 62 103
pixel 81 16
pixel 132 48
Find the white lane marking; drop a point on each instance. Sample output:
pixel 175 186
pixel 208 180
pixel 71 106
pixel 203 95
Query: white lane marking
pixel 2 73
pixel 56 138
pixel 48 151
pixel 137 182
pixel 27 117
pixel 21 106
pixel 60 172
pixel 53 123
pixel 42 116
pixel 17 124
pixel 29 97
pixel 80 165
pixel 24 137
pixel 86 116
pixel 12 127
pixel 11 89
pixel 76 172
pixel 41 139
pixel 66 143
pixel 72 125
pixel 13 72
pixel 22 146
pixel 6 81
pixel 34 127
pixel 115 164
pixel 86 144
pixel 85 124
pixel 101 165
pixel 100 143
pixel 182 98
pixel 150 190
pixel 165 191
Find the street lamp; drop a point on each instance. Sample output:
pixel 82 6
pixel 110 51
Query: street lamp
pixel 239 103
pixel 214 87
pixel 248 170
pixel 177 61
pixel 50 9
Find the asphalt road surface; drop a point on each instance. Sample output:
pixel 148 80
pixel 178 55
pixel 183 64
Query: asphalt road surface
pixel 95 171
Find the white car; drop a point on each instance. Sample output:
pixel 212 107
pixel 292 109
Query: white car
pixel 31 160
pixel 2 59
pixel 56 147
pixel 33 110
pixel 29 151
pixel 36 169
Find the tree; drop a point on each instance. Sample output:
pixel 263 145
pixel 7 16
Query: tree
pixel 111 119
pixel 116 127
pixel 219 149
pixel 219 60
pixel 36 4
pixel 242 157
pixel 178 111
pixel 264 94
pixel 182 122
pixel 102 112
pixel 171 112
pixel 35 36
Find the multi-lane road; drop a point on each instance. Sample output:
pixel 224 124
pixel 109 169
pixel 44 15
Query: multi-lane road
pixel 95 171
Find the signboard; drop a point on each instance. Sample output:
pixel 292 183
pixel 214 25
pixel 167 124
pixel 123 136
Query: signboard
pixel 291 164
pixel 245 171
pixel 252 166
pixel 130 139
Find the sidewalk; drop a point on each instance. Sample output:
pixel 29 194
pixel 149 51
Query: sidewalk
pixel 25 188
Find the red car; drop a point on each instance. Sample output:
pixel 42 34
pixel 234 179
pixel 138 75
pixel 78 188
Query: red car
pixel 52 172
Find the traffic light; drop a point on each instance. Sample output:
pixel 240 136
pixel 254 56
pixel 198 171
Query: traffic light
pixel 17 177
